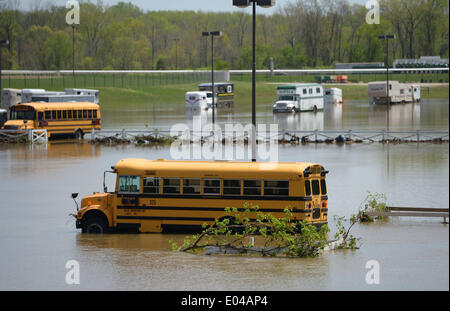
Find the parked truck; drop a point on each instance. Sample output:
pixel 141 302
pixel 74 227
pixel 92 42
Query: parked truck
pixel 299 97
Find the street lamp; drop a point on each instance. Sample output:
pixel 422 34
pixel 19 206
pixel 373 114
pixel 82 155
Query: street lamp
pixel 244 4
pixel 212 34
pixel 176 52
pixel 73 49
pixel 3 43
pixel 388 101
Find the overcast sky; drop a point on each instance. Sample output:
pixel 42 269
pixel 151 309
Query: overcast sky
pixel 157 5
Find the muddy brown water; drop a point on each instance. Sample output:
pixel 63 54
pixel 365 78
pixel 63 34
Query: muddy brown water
pixel 37 237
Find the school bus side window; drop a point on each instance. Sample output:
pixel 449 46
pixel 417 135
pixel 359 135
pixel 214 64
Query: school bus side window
pixel 252 187
pixel 40 116
pixel 48 115
pixel 211 186
pixel 315 187
pixel 232 186
pixel 129 184
pixel 191 186
pixel 171 185
pixel 276 187
pixel 54 115
pixel 151 184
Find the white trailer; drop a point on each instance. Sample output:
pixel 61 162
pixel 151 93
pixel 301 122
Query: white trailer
pixel 11 97
pixel 398 92
pixel 299 97
pixel 198 100
pixel 28 94
pixel 85 92
pixel 333 95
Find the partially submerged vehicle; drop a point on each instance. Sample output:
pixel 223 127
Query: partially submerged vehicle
pixel 57 118
pixel 299 97
pixel 224 93
pixel 198 100
pixel 160 195
pixel 333 95
pixel 398 92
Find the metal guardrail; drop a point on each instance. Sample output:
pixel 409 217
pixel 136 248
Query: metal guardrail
pixel 288 135
pixel 33 136
pixel 282 136
pixel 412 212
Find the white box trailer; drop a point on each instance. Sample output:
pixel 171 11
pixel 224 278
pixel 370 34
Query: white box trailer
pixel 299 97
pixel 398 92
pixel 63 98
pixel 333 95
pixel 11 97
pixel 198 100
pixel 28 94
pixel 85 92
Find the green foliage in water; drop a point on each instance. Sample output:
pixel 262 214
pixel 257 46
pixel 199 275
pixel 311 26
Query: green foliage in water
pixel 374 202
pixel 280 235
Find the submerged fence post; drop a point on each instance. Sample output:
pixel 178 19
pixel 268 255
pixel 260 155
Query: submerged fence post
pixel 418 135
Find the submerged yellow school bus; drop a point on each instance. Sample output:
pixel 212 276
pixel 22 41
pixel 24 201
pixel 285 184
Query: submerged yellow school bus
pixel 161 195
pixel 77 118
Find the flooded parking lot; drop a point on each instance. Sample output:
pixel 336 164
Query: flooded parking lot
pixel 38 237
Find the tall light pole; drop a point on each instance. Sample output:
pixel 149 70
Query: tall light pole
pixel 212 34
pixel 176 52
pixel 3 43
pixel 244 4
pixel 73 50
pixel 388 100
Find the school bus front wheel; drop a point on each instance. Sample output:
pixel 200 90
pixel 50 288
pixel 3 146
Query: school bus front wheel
pixel 94 223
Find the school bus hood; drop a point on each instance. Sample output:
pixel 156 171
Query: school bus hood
pixel 100 199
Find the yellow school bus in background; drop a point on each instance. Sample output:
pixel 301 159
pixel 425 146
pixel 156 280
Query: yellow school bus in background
pixel 74 118
pixel 161 195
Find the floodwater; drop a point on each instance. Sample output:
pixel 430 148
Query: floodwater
pixel 38 238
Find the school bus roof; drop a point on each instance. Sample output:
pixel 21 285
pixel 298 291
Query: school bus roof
pixel 225 169
pixel 61 105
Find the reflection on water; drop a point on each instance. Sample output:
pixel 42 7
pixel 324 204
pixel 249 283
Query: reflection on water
pixel 355 115
pixel 300 121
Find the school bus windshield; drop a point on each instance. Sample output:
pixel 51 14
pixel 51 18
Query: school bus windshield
pixel 23 115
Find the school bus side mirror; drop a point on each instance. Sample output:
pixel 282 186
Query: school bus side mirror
pixel 74 195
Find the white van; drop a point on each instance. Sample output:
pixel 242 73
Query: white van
pixel 299 97
pixel 198 100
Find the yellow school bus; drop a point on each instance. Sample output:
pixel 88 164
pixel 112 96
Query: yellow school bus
pixel 161 195
pixel 75 118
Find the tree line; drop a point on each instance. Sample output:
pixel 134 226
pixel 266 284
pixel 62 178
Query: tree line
pixel 301 34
